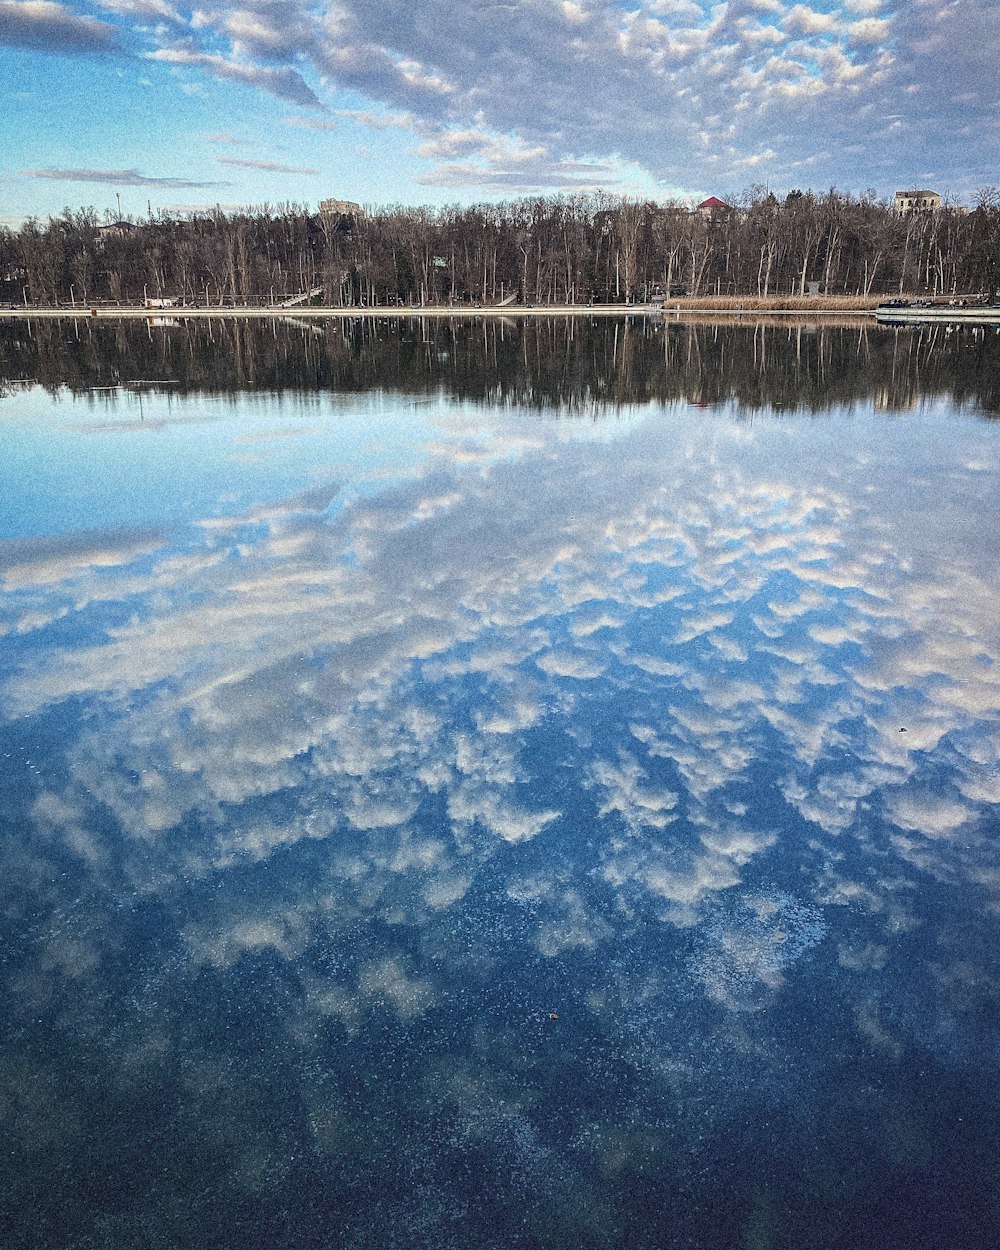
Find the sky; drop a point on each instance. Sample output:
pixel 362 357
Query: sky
pixel 152 104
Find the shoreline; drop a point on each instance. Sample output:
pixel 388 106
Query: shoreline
pixel 165 316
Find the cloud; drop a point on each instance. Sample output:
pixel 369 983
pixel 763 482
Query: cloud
pixel 671 91
pixel 387 981
pixel 933 815
pixel 44 26
pixel 758 158
pixel 695 627
pixel 571 664
pixel 283 82
pixel 574 927
pixel 440 576
pixel 469 804
pixel 45 560
pixel 500 160
pixel 868 30
pixel 116 178
pixel 675 92
pixel 747 949
pixel 311 123
pixel 270 166
pixel 378 121
pixel 147 10
pixel 626 789
pixel 559 174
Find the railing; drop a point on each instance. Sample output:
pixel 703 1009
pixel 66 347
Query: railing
pixel 300 299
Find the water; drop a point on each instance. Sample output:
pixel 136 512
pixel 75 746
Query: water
pixel 499 786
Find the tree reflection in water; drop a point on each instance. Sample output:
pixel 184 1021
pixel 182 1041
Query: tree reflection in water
pixel 578 365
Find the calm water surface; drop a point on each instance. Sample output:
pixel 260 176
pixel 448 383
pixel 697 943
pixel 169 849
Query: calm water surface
pixel 499 787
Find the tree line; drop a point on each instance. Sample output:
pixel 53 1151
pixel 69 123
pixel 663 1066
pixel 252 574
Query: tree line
pixel 573 249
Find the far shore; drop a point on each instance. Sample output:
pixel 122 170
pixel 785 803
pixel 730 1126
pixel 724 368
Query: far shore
pixel 727 306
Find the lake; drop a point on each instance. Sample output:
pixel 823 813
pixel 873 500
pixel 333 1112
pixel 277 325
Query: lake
pixel 499 785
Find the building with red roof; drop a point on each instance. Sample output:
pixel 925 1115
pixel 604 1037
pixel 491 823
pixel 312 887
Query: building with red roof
pixel 714 207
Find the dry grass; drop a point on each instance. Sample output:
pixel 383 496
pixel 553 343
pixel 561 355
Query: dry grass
pixel 774 303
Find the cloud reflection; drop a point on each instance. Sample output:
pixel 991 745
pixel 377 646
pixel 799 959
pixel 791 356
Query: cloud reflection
pixel 302 649
pixel 461 734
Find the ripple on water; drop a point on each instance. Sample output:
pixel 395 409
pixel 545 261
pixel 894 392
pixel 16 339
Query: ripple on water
pixel 747 948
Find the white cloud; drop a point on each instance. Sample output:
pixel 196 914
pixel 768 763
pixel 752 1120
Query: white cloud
pixel 468 804
pixel 576 664
pixel 271 167
pixel 868 30
pixel 802 20
pixel 925 812
pixel 626 789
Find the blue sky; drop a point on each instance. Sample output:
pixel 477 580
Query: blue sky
pixel 179 106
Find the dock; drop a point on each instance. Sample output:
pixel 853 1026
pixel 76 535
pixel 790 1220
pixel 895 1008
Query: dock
pixel 938 314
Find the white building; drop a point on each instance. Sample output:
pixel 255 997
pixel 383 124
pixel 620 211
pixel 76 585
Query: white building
pixel 339 206
pixel 916 202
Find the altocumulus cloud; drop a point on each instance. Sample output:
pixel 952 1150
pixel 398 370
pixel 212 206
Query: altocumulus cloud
pixel 847 93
